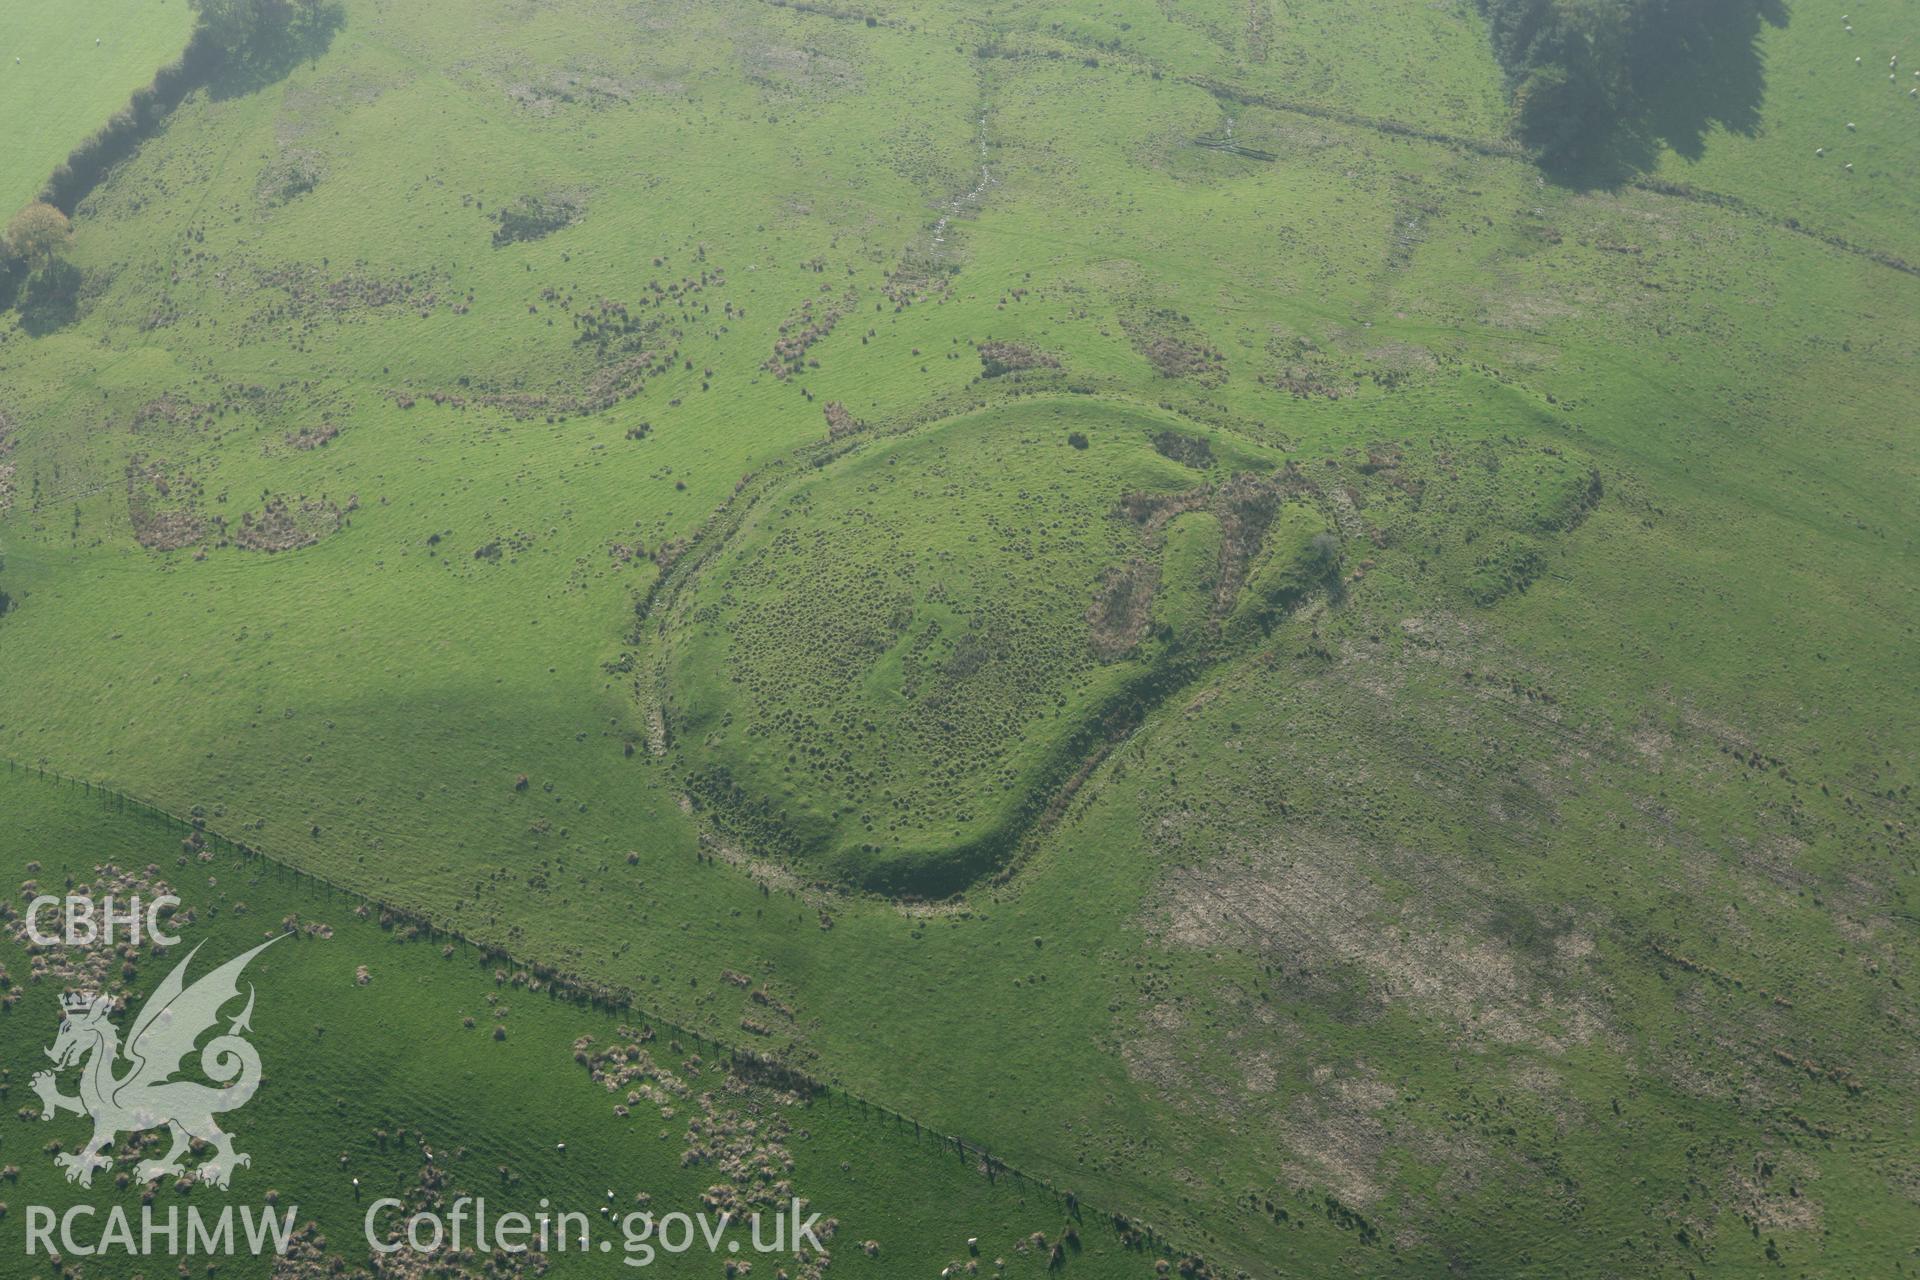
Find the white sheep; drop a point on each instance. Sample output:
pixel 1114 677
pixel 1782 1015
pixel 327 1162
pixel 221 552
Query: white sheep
pixel 1820 151
pixel 1849 166
pixel 1850 126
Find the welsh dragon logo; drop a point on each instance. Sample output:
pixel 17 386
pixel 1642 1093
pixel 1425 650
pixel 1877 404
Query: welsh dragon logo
pixel 146 1096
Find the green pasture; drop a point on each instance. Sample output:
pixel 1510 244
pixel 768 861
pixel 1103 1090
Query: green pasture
pixel 375 1083
pixel 1522 885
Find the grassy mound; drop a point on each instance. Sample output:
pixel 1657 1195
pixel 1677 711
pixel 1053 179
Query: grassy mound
pixel 894 663
pixel 886 668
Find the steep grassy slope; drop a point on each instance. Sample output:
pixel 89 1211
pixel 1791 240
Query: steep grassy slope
pixel 1534 901
pixel 64 70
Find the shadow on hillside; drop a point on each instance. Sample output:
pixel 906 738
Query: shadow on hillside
pixel 51 298
pixel 13 275
pixel 273 56
pixel 1701 69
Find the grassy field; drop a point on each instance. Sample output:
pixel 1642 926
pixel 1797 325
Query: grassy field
pixel 1426 788
pixel 391 1057
pixel 1811 90
pixel 64 70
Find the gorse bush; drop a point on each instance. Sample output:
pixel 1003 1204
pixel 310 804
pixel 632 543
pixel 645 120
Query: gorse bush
pixel 532 217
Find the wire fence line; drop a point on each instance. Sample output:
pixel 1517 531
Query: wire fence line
pixel 757 1067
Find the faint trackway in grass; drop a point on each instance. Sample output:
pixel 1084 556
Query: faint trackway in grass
pixel 1498 148
pixel 580 985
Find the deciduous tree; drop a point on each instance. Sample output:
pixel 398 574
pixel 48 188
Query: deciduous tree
pixel 37 234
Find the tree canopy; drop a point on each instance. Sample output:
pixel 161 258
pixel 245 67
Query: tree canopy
pixel 37 234
pixel 241 24
pixel 1580 70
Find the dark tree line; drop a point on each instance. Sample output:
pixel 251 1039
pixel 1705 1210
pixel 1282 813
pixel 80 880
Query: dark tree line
pixel 233 40
pixel 1582 72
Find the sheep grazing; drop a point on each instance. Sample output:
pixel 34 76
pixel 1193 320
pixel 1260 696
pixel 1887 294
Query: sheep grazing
pixel 1849 166
pixel 1850 126
pixel 1820 151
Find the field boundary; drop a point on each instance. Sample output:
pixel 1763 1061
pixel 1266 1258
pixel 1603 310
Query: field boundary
pixel 145 114
pixel 1499 149
pixel 1502 150
pixel 1734 204
pixel 1132 1233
